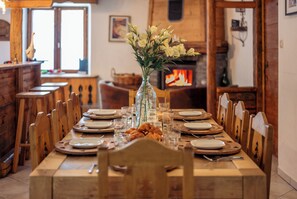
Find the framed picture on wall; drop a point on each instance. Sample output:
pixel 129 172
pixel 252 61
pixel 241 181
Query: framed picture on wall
pixel 118 27
pixel 291 7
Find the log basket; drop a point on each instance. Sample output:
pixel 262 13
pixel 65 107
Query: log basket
pixel 128 80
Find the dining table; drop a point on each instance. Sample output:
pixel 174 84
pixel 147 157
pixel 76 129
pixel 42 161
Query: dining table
pixel 66 175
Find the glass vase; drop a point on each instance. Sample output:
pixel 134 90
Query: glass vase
pixel 145 102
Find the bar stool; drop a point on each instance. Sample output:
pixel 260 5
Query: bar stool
pixel 37 102
pixel 52 99
pixel 62 86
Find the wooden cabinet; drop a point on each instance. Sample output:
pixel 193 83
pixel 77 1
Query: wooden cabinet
pixel 84 85
pixel 13 79
pixel 246 94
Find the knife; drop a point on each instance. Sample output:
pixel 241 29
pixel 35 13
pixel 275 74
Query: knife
pixel 228 158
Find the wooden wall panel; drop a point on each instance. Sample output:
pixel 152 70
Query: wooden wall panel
pixel 191 27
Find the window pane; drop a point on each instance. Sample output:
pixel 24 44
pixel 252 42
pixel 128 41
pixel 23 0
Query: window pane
pixel 72 38
pixel 43 27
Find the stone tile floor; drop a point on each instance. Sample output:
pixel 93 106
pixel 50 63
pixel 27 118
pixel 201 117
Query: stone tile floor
pixel 16 186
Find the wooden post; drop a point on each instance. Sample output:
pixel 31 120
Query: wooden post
pixel 16 34
pixel 259 79
pixel 211 57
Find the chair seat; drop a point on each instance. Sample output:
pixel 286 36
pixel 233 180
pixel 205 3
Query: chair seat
pixel 45 88
pixel 57 84
pixel 32 94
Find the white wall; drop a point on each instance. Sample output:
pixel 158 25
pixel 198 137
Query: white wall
pixel 104 54
pixel 4 45
pixel 240 58
pixel 287 117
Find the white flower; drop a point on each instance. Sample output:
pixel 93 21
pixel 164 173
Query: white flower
pixel 129 35
pixel 176 52
pixel 142 43
pixel 191 52
pixel 156 39
pixel 182 49
pixel 169 52
pixel 153 29
pixel 143 36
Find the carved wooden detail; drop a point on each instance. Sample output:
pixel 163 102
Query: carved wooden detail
pixel 86 86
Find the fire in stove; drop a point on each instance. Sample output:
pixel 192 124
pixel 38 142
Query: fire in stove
pixel 179 77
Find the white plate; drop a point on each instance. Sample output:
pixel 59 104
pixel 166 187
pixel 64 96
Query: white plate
pixel 207 144
pixel 85 143
pixel 190 113
pixel 198 125
pixel 103 112
pixel 97 124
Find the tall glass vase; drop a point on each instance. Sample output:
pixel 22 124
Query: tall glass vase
pixel 145 101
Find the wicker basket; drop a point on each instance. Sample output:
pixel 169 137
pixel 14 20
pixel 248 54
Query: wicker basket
pixel 125 79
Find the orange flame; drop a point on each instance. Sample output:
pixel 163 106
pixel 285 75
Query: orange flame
pixel 179 77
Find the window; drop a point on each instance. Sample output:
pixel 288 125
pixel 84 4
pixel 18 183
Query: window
pixel 175 10
pixel 60 36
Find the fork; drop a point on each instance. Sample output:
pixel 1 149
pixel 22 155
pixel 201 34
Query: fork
pixel 207 136
pixel 90 171
pixel 226 158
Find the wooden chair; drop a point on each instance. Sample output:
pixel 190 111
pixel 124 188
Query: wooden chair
pixel 224 114
pixel 62 87
pixel 36 102
pixel 52 96
pixel 188 97
pixel 132 94
pixel 260 144
pixel 41 141
pixel 59 121
pixel 74 113
pixel 113 97
pixel 145 169
pixel 240 124
pixel 162 96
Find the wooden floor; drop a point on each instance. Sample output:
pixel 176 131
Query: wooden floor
pixel 17 185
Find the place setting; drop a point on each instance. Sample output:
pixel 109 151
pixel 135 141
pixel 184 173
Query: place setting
pixel 212 147
pixel 102 114
pixel 191 115
pixel 80 146
pixel 93 126
pixel 198 128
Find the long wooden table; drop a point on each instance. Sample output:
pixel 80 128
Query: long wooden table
pixel 65 176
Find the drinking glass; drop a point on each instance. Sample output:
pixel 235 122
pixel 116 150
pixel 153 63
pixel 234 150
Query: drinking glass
pixel 119 125
pixel 171 139
pixel 126 115
pixel 119 137
pixel 167 120
pixel 163 107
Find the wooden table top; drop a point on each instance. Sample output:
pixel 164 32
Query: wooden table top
pixel 66 176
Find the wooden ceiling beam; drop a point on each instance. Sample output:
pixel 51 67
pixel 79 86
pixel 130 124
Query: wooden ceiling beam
pixel 28 3
pixel 238 4
pixel 41 4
